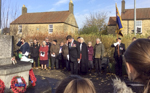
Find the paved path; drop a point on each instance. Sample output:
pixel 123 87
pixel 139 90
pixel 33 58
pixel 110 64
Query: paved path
pixel 49 79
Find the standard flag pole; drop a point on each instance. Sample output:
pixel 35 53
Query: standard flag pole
pixel 117 33
pixel 134 17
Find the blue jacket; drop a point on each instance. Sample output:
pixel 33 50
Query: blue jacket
pixel 24 48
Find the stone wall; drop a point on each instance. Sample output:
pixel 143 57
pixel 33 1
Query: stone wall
pixel 129 27
pixel 33 29
pixel 71 20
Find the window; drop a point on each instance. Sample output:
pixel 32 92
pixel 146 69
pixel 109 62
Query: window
pixel 139 26
pixel 50 28
pixel 20 29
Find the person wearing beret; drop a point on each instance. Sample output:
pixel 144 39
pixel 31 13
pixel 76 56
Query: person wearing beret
pixel 118 56
pixel 54 50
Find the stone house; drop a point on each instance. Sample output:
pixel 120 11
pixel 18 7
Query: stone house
pixel 43 22
pixel 127 15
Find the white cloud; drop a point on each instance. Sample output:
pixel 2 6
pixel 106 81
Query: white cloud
pixel 61 2
pixel 52 9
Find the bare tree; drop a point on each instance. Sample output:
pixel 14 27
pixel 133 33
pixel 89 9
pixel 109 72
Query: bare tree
pixel 96 19
pixel 9 13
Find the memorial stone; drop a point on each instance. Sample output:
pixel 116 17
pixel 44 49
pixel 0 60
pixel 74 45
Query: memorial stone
pixel 7 69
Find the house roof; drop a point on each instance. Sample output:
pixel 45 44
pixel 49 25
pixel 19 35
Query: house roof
pixel 112 21
pixel 42 17
pixel 141 14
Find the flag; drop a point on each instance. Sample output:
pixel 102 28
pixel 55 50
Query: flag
pixel 119 25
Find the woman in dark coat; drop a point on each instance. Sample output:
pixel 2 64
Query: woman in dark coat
pixel 90 55
pixel 83 57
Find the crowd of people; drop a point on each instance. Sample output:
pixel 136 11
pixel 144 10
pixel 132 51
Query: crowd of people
pixel 74 56
pixel 80 58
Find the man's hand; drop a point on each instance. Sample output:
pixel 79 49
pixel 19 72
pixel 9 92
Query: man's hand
pixel 78 59
pixel 117 43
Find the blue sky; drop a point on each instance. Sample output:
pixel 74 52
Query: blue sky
pixel 82 8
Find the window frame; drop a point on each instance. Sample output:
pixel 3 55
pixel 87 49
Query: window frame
pixel 50 28
pixel 139 26
pixel 19 28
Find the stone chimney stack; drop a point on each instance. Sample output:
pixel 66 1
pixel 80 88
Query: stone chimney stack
pixel 71 7
pixel 123 6
pixel 24 9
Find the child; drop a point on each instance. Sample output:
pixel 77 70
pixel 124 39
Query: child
pixel 24 58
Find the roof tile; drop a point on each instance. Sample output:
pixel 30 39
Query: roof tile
pixel 43 17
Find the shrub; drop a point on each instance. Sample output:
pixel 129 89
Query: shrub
pixel 107 40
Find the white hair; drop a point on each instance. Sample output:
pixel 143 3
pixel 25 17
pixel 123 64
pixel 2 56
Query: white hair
pixel 82 39
pixel 90 42
pixel 98 39
pixel 43 42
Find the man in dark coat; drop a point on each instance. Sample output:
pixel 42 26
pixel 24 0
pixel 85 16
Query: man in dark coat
pixel 118 56
pixel 98 55
pixel 74 54
pixel 61 60
pixel 35 52
pixel 83 57
pixel 49 46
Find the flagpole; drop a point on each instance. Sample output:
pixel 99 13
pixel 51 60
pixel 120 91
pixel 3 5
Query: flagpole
pixel 134 17
pixel 117 34
pixel 0 18
pixel 118 46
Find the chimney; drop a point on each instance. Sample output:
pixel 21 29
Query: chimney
pixel 123 6
pixel 71 7
pixel 24 9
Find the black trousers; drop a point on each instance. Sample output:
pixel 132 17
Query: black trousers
pixel 67 64
pixel 36 61
pixel 118 66
pixel 47 65
pixel 54 62
pixel 98 65
pixel 74 67
pixel 62 63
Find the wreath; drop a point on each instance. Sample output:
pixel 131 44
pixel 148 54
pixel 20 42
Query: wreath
pixel 32 77
pixel 18 84
pixel 2 86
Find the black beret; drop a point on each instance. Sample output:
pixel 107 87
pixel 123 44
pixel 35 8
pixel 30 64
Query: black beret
pixel 55 41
